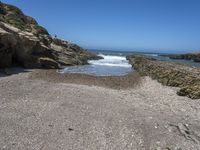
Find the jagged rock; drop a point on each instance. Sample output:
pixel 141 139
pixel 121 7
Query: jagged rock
pixel 171 74
pixel 24 42
pixel 14 16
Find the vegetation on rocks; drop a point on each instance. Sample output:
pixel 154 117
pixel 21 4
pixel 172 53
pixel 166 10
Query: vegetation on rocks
pixel 14 16
pixel 171 74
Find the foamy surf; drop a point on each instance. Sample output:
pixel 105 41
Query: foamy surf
pixel 108 66
pixel 112 61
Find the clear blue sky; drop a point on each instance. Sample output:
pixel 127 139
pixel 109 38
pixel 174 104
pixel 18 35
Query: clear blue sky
pixel 146 25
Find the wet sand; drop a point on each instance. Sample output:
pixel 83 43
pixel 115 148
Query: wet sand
pixel 41 110
pixel 114 82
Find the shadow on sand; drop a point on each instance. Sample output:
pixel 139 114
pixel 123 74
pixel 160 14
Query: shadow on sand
pixel 11 71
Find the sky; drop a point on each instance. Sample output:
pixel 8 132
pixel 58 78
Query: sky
pixel 133 25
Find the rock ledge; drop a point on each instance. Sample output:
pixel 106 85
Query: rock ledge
pixel 169 73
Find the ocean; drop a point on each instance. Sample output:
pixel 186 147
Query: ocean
pixel 114 63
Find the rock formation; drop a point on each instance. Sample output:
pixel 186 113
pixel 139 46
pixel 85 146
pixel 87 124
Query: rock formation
pixel 191 56
pixel 24 42
pixel 169 73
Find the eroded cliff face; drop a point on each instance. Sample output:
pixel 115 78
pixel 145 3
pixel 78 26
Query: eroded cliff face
pixel 24 42
pixel 171 74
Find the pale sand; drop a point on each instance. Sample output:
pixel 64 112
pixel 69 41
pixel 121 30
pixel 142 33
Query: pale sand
pixel 40 115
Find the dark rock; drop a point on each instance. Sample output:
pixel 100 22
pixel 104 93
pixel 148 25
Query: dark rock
pixel 196 59
pixel 70 129
pixel 193 56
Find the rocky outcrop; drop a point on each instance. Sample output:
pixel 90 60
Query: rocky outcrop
pixel 24 42
pixel 171 74
pixel 15 17
pixel 192 56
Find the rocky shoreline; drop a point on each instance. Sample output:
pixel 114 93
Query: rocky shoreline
pixel 170 74
pixel 191 56
pixel 25 43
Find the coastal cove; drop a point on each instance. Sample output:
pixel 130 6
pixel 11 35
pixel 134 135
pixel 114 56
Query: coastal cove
pixel 115 63
pixel 57 95
pixel 109 65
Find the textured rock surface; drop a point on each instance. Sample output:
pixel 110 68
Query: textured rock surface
pixel 24 42
pixel 193 56
pixel 171 74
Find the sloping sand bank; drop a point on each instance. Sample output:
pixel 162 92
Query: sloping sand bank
pixel 38 113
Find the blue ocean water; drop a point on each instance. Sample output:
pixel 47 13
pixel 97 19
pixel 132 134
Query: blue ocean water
pixel 114 63
pixel 110 65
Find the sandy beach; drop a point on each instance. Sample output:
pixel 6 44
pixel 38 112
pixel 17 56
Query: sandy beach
pixel 120 75
pixel 40 110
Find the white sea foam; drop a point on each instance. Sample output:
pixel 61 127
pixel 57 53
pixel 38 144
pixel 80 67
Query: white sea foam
pixel 108 66
pixel 112 61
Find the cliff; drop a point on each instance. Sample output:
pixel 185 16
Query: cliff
pixel 24 42
pixel 169 73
